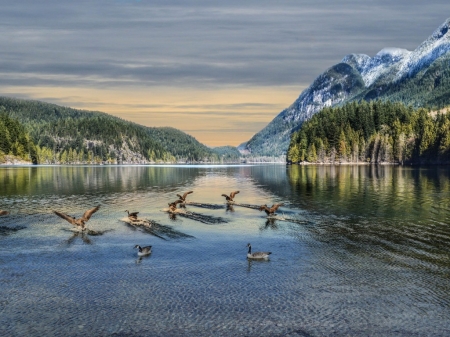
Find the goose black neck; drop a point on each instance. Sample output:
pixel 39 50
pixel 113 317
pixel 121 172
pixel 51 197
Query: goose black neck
pixel 249 249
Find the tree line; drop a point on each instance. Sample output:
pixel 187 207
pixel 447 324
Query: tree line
pixel 64 135
pixel 15 141
pixel 373 132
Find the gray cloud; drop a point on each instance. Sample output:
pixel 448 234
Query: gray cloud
pixel 114 43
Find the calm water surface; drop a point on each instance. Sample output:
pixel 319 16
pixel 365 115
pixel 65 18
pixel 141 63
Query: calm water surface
pixel 364 252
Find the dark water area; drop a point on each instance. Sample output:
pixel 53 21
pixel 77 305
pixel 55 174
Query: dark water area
pixel 356 251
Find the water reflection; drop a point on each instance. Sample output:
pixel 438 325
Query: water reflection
pixel 69 180
pixel 357 251
pixel 270 224
pixel 251 263
pixel 78 234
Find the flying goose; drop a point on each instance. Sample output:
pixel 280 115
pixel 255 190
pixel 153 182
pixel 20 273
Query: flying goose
pixel 183 197
pixel 133 215
pixel 142 251
pixel 3 212
pixel 257 255
pixel 80 222
pixel 231 197
pixel 271 210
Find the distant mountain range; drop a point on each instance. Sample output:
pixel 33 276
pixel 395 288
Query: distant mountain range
pixel 66 135
pixel 420 78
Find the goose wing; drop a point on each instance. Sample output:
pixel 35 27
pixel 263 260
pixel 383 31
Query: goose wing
pixel 185 194
pixel 87 215
pixel 275 207
pixel 259 255
pixel 65 217
pixel 232 194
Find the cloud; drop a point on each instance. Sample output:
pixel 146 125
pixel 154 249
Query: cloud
pixel 203 45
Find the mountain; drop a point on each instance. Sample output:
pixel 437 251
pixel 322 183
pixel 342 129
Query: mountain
pixel 420 78
pixel 66 135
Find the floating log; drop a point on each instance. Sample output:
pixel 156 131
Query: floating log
pixel 206 219
pixel 203 205
pixel 152 227
pixel 247 205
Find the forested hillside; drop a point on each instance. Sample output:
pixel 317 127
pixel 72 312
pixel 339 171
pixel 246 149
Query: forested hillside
pixel 66 135
pixel 373 132
pixel 15 141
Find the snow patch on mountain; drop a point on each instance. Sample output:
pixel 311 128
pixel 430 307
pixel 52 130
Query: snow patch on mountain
pixel 431 49
pixel 382 64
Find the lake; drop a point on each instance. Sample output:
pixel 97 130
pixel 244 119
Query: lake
pixel 356 251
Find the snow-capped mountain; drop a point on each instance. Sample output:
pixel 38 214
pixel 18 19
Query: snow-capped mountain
pixel 393 73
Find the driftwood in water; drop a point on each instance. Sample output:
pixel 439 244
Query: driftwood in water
pixel 207 219
pixel 152 227
pixel 247 206
pixel 203 205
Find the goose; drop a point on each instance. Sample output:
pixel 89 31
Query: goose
pixel 173 205
pixel 270 211
pixel 3 212
pixel 183 197
pixel 231 196
pixel 80 222
pixel 133 215
pixel 142 251
pixel 257 255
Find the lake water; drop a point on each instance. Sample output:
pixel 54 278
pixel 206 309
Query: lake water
pixel 362 251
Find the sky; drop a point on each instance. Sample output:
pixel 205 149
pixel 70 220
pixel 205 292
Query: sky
pixel 217 70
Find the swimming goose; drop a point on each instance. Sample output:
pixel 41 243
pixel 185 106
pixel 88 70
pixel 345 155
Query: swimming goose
pixel 133 215
pixel 142 251
pixel 183 197
pixel 80 222
pixel 257 255
pixel 173 205
pixel 231 197
pixel 271 210
pixel 4 212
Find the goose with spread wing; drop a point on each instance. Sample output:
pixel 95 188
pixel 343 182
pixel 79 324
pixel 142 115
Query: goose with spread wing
pixel 270 211
pixel 173 205
pixel 80 222
pixel 132 215
pixel 231 196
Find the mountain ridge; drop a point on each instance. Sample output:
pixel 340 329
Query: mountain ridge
pixel 392 74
